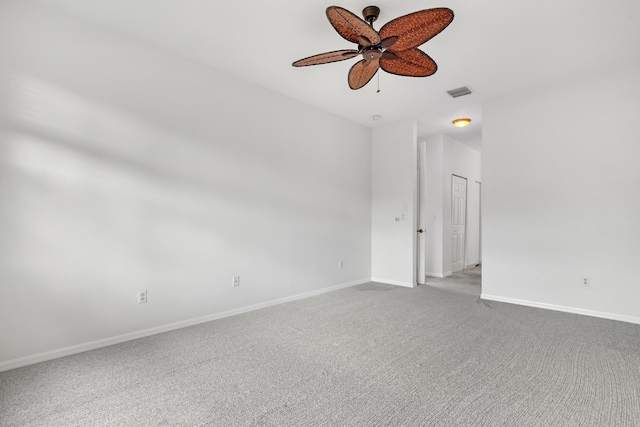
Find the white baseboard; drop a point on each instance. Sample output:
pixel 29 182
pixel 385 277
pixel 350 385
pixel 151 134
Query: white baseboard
pixel 393 282
pixel 573 310
pixel 93 345
pixel 440 275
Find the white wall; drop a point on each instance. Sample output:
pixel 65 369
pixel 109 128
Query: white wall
pixel 445 157
pixel 125 168
pixel 560 196
pixel 394 175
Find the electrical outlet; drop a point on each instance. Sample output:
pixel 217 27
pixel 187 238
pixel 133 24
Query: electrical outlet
pixel 236 281
pixel 142 297
pixel 339 264
pixel 586 281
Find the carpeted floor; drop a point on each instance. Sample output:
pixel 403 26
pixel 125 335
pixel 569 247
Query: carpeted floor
pixel 370 355
pixel 466 281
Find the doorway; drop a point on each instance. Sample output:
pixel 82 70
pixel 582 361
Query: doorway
pixel 448 228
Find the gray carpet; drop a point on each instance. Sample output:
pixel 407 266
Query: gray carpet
pixel 370 355
pixel 466 281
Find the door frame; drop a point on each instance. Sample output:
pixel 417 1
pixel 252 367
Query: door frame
pixel 421 245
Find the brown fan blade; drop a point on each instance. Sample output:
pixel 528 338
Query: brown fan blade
pixel 412 62
pixel 388 42
pixel 325 58
pixel 416 28
pixel 350 27
pixel 362 72
pixel 363 41
pixel 387 54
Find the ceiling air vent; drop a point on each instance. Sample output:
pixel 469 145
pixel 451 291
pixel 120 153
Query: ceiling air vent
pixel 461 91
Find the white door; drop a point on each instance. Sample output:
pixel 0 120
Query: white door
pixel 458 221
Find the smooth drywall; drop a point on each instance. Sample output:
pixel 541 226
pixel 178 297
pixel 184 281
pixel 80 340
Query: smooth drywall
pixel 393 219
pixel 560 196
pixel 125 168
pixel 445 156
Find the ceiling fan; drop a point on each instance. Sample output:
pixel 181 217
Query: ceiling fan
pixel 394 48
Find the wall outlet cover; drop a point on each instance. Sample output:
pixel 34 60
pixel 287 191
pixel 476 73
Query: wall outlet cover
pixel 142 297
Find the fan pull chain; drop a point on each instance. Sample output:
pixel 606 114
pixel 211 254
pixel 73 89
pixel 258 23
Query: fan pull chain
pixel 378 83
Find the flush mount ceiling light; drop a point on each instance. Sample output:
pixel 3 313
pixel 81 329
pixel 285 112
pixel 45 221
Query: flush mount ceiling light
pixel 460 123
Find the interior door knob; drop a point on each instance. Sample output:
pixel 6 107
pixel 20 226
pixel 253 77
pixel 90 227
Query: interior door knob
pixel 421 231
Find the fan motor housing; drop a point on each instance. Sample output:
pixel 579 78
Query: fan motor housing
pixel 371 53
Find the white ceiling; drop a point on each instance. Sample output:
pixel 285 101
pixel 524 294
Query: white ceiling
pixel 492 46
